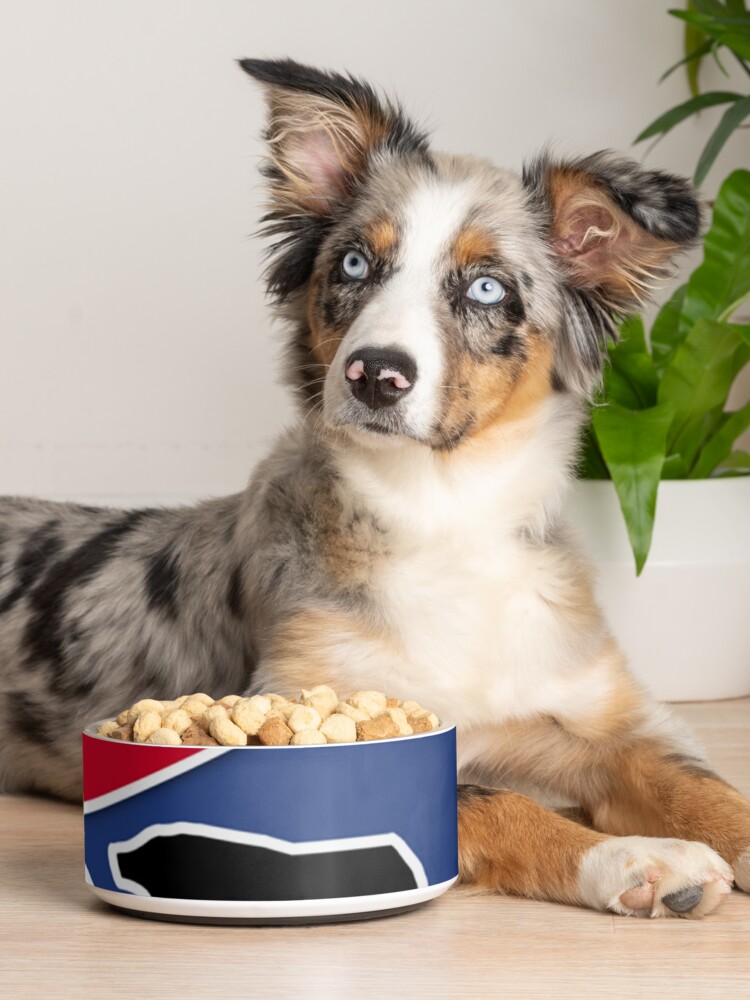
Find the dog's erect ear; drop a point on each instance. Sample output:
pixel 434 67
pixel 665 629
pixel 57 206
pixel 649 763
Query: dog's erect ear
pixel 614 229
pixel 323 130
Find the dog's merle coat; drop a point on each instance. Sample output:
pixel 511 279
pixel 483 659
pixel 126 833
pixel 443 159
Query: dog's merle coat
pixel 418 548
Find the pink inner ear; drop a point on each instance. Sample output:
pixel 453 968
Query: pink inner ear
pixel 318 161
pixel 586 230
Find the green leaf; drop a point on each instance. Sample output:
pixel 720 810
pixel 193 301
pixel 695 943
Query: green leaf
pixel 665 330
pixel 713 8
pixel 719 447
pixel 591 464
pixel 694 434
pixel 633 444
pixel 674 468
pixel 718 21
pixel 738 41
pixel 715 56
pixel 730 120
pixel 617 388
pixel 692 59
pixel 732 31
pixel 630 378
pixel 742 354
pixel 632 334
pixel 738 463
pixel 696 381
pixel 664 123
pixel 636 370
pixel 722 282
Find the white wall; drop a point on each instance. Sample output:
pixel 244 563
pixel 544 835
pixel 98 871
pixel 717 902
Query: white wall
pixel 136 352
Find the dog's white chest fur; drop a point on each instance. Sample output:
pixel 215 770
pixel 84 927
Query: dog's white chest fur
pixel 484 629
pixel 482 610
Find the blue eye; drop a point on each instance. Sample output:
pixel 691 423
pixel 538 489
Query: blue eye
pixel 488 291
pixel 355 266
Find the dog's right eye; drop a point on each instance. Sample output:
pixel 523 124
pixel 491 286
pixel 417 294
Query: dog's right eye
pixel 355 266
pixel 486 290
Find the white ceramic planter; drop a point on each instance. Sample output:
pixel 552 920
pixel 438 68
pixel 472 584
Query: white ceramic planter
pixel 685 622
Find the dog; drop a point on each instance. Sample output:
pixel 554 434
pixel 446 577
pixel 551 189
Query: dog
pixel 447 323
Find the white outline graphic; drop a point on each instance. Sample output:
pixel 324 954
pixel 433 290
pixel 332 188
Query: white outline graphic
pixel 207 754
pixel 258 840
pixel 153 779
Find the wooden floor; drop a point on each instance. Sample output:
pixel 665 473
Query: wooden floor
pixel 56 940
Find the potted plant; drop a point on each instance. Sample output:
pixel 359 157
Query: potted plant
pixel 660 435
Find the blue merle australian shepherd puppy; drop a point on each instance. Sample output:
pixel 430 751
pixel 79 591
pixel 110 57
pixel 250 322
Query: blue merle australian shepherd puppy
pixel 446 320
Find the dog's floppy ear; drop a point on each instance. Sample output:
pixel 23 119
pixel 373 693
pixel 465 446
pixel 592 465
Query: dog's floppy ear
pixel 614 229
pixel 323 129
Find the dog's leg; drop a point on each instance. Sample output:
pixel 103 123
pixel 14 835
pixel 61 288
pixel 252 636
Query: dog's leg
pixel 635 770
pixel 652 789
pixel 639 775
pixel 509 843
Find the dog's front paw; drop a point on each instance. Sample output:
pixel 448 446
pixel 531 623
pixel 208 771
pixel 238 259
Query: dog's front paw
pixel 651 877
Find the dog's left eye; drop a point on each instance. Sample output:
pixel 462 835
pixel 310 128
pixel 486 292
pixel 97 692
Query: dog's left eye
pixel 355 265
pixel 486 290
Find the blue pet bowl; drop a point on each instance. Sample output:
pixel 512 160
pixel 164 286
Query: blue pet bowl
pixel 302 834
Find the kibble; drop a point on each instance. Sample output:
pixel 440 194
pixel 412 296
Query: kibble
pixel 344 708
pixel 196 736
pixel 399 717
pixel 132 713
pixel 339 728
pixel 380 728
pixel 248 716
pixel 275 733
pixel 195 706
pixel 225 732
pixel 308 737
pixel 420 723
pixel 145 724
pixel 177 719
pixel 107 728
pixel 165 737
pixel 317 717
pixel 303 717
pixel 374 703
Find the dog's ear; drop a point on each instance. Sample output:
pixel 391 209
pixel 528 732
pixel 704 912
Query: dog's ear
pixel 614 229
pixel 323 130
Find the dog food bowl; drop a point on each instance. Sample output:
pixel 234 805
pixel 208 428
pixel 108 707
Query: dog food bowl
pixel 264 834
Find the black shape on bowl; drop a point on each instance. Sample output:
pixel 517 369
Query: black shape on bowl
pixel 189 866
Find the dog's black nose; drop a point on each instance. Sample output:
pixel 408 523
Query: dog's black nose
pixel 380 376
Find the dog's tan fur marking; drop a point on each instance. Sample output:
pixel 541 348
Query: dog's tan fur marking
pixel 654 794
pixel 497 397
pixel 315 641
pixel 381 235
pixel 472 245
pixel 508 843
pixel 622 709
pixel 532 387
pixel 323 339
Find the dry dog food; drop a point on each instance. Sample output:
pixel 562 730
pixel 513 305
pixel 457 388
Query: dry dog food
pixel 317 717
